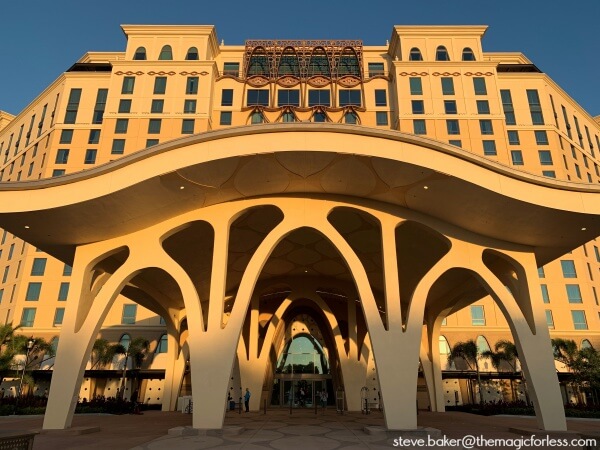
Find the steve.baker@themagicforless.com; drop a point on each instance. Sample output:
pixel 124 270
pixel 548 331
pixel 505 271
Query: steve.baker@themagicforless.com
pixel 470 441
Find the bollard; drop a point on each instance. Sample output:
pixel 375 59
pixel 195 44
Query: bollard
pixel 316 405
pixel 265 406
pixel 240 409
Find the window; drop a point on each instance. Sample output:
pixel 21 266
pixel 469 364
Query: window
pixel 66 136
pixel 28 317
pixel 319 97
pixel 513 137
pixel 319 117
pixel 118 147
pixel 419 126
pixel 100 106
pixel 535 108
pixel 416 86
pixel 541 137
pixel 231 68
pixel 62 156
pixel 58 172
pixel 288 97
pixel 485 126
pixel 573 293
pixel 479 86
pixel 483 107
pixel 545 157
pixel 154 126
pixel 455 142
pixel 191 86
pixel 256 117
pixel 151 142
pixel 90 156
pixel 507 106
pixel 227 97
pixel 157 106
pixel 39 267
pixel 579 321
pixel 477 315
pixel 489 148
pixel 452 126
pixel 468 55
pixel 597 253
pixel 72 106
pixel 128 85
pixel 94 137
pixel 517 157
pixel 447 86
pixel 415 54
pixel 450 107
pixel 121 126
pixel 441 54
pixel 549 173
pixel 63 292
pixel 129 313
pixel 225 118
pixel 568 268
pixel 160 85
pixel 549 319
pixel 192 54
pixel 5 276
pixel 33 292
pixel 140 54
pixel 125 106
pixel 349 97
pixel 257 97
pixel 189 106
pixel 418 107
pixel 1 294
pixel 380 97
pixel 545 295
pixel 163 344
pixel 59 314
pixel 381 118
pixel 187 126
pixel 376 69
pixel 350 118
pixel 166 54
pixel 288 117
pixel 577 171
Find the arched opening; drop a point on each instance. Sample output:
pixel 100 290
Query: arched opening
pixel 319 63
pixel 166 53
pixel 288 63
pixel 468 55
pixel 351 118
pixel 415 54
pixel 258 64
pixel 140 54
pixel 348 63
pixel 192 54
pixel 441 54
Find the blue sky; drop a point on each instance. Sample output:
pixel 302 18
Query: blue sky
pixel 42 39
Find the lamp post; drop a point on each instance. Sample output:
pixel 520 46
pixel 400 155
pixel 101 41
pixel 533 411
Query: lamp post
pixel 30 344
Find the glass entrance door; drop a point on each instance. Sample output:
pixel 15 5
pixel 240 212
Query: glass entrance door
pixel 300 393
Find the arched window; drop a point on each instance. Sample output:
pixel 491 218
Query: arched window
pixel 415 54
pixel 140 54
pixel 444 346
pixel 441 54
pixel 259 63
pixel 319 117
pixel 288 117
pixel 586 344
pixel 348 64
pixel 288 64
pixel 319 63
pixel 192 54
pixel 125 341
pixel 163 344
pixel 256 117
pixel 54 344
pixel 351 118
pixel 468 55
pixel 166 54
pixel 482 345
pixel 303 354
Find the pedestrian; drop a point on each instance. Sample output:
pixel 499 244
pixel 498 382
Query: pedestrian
pixel 324 398
pixel 247 400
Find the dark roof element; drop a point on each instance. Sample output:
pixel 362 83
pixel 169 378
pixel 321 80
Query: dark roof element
pixel 90 67
pixel 518 68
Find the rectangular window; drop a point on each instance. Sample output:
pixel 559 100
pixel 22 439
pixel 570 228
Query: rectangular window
pixel 567 124
pixel 381 118
pixel 380 97
pixel 28 317
pixel 154 126
pixel 516 157
pixel 73 105
pixel 5 276
pixel 489 148
pixel 545 157
pixel 376 69
pixel 157 106
pixel 507 106
pixel 124 106
pixel 479 86
pixel 66 136
pixel 319 97
pixel 100 106
pixel 62 156
pixel 1 294
pixel 485 126
pixel 447 86
pixel 63 292
pixel 227 97
pixel 231 68
pixel 483 107
pixel 477 315
pixel 225 118
pixel 129 313
pixel 58 316
pixel 258 97
pixel 513 137
pixel 187 126
pixel 121 126
pixel 597 253
pixel 579 136
pixel 568 268
pixel 160 85
pixel 541 137
pixel 452 126
pixel 151 142
pixel 577 171
pixel 450 107
pixel 118 147
pixel 579 321
pixel 573 293
pixel 58 172
pixel 39 267
pixel 537 118
pixel 416 86
pixel 128 85
pixel 94 137
pixel 549 173
pixel 191 86
pixel 456 142
pixel 288 97
pixel 419 126
pixel 189 106
pixel 349 97
pixel 33 292
pixel 549 319
pixel 418 107
pixel 90 156
pixel 545 295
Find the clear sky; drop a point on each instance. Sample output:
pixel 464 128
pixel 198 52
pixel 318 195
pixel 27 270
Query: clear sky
pixel 42 39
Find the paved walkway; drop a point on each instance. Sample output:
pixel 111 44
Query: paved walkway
pixel 276 430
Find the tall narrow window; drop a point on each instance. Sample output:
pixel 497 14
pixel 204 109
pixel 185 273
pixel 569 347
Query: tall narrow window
pixel 73 105
pixel 63 292
pixel 166 53
pixel 477 315
pixel 441 54
pixel 140 54
pixel 288 63
pixel 90 156
pixel 507 105
pixel 579 321
pixel 479 86
pixel 191 86
pixel 128 85
pixel 380 97
pixel 545 295
pixel 537 118
pixel 59 315
pixel 129 314
pixel 468 55
pixel 549 319
pixel 447 86
pixel 415 54
pixel 160 85
pixel 227 97
pixel 416 86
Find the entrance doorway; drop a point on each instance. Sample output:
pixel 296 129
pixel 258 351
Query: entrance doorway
pixel 302 393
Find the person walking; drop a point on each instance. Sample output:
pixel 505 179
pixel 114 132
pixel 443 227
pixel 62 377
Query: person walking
pixel 247 400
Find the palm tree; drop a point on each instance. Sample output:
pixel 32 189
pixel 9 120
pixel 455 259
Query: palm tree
pixel 7 348
pixel 136 351
pixel 103 353
pixel 469 352
pixel 504 352
pixel 36 351
pixel 566 352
